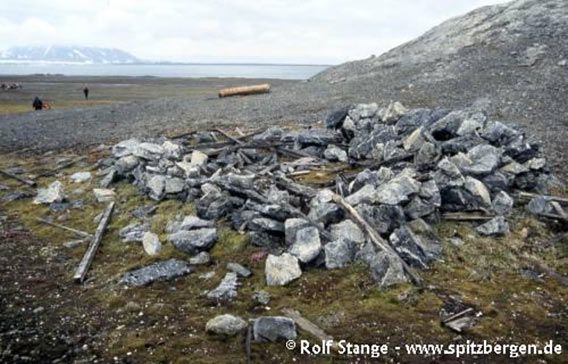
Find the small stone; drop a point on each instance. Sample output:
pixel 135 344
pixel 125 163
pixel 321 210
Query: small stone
pixel 104 194
pixel 366 194
pixel 334 154
pixel 239 269
pixel 281 270
pixel 274 329
pixel 156 187
pixel 261 297
pixel 151 243
pixel 386 270
pixel 198 159
pixel 80 177
pixel 226 290
pixel 133 232
pixel 226 325
pixel 497 226
pixel 201 258
pixel 347 229
pixel 53 193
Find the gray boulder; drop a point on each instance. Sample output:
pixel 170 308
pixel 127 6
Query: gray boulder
pixel 386 270
pixel 339 253
pixel 322 137
pixel 503 203
pixel 415 250
pixel 149 151
pixel 384 218
pixel 397 190
pixel 156 187
pixel 266 224
pixel 194 241
pixel 323 210
pixel 193 222
pixel 53 193
pixel 133 232
pixel 485 159
pixel 497 226
pixel 239 269
pixel 226 325
pixel 201 258
pixel 161 271
pixel 307 245
pixel 281 270
pixel 347 229
pixel 365 194
pixel 126 164
pixel 273 329
pixel 335 154
pixel 291 228
pixel 151 243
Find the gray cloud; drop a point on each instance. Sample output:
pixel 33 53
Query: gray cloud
pixel 301 31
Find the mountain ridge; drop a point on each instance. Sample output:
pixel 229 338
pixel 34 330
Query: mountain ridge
pixel 67 54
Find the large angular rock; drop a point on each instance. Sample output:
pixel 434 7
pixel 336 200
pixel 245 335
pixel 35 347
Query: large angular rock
pixel 198 158
pixel 414 141
pixel 194 241
pixel 448 175
pixel 384 218
pixel 214 206
pixel 266 224
pixel 415 250
pixel 503 203
pixel 485 159
pixel 291 228
pixel 335 119
pixel 125 147
pixel 172 150
pixel 339 253
pixel 321 137
pixel 226 325
pixel 126 164
pixel 347 229
pixel 174 185
pixel 151 243
pixel 156 187
pixel 161 271
pixel 335 154
pixel 226 290
pixel 323 210
pixel 363 144
pixel 281 270
pixel 193 222
pixel 307 245
pixel 479 192
pixel 239 269
pixel 393 113
pixel 397 190
pixel 386 270
pixel 201 258
pixel 363 111
pixel 365 194
pixel 149 151
pixel 497 226
pixel 273 329
pixel 498 133
pixel 53 193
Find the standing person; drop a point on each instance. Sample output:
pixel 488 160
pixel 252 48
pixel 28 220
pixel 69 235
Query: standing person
pixel 86 92
pixel 37 104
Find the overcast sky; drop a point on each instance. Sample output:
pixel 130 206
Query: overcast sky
pixel 290 31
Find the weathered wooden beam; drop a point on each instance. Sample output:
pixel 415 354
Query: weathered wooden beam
pixel 307 325
pixel 228 136
pixel 375 237
pixel 245 90
pixel 85 263
pixel 457 315
pixel 528 195
pixel 454 216
pixel 19 179
pixel 66 228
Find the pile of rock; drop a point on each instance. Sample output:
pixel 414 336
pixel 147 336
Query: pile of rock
pixel 416 165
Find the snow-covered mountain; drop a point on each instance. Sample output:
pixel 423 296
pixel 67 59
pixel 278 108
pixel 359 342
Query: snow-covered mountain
pixel 91 55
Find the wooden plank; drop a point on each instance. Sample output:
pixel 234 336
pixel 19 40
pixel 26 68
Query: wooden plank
pixel 529 195
pixel 375 237
pixel 228 136
pixel 85 263
pixel 245 90
pixel 19 179
pixel 466 217
pixel 307 325
pixel 66 228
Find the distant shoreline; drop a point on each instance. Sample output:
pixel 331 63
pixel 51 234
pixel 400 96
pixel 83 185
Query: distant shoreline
pixel 63 63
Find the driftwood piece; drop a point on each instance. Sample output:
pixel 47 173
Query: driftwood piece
pixel 307 325
pixel 295 188
pixel 228 136
pixel 528 196
pixel 248 341
pixel 66 228
pixel 543 268
pixel 19 179
pixel 454 216
pixel 245 90
pixel 85 263
pixel 457 315
pixel 375 237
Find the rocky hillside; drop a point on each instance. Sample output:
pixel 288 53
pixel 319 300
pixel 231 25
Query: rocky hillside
pixel 511 59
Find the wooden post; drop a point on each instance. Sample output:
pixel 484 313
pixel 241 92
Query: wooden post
pixel 85 263
pixel 245 90
pixel 19 179
pixel 62 227
pixel 307 325
pixel 375 237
